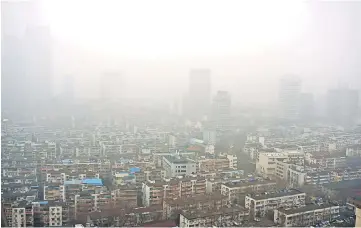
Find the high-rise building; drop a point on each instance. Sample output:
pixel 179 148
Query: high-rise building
pixel 13 85
pixel 111 86
pixel 289 94
pixel 199 93
pixel 26 55
pixel 38 64
pixel 221 110
pixel 342 106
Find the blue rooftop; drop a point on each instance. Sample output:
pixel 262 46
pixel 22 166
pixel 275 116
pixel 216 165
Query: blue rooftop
pixel 93 181
pixel 43 202
pixel 134 170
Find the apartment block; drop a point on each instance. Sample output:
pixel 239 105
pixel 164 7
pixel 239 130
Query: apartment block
pixel 50 213
pixel 260 204
pixel 236 190
pixel 54 192
pixel 19 214
pixel 213 165
pixel 266 164
pixel 223 217
pixel 177 166
pixel 127 196
pixel 154 192
pixel 326 161
pixel 293 174
pixel 85 203
pixel 213 201
pixel 305 216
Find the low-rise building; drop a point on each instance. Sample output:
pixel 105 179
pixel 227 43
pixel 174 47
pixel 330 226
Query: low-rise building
pixel 54 192
pixel 213 201
pixel 154 192
pixel 266 164
pixel 260 204
pixel 333 161
pixel 236 190
pixel 226 216
pixel 305 216
pixel 177 166
pixel 19 214
pixel 213 164
pixel 127 196
pixel 293 174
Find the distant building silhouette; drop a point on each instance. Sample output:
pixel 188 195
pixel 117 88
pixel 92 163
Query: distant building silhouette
pixel 38 64
pixel 221 110
pixel 199 93
pixel 289 95
pixel 26 56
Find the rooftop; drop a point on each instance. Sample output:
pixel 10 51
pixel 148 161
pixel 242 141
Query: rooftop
pixel 348 184
pixel 281 193
pixel 195 199
pixel 194 214
pixel 176 160
pixel 310 207
pixel 237 185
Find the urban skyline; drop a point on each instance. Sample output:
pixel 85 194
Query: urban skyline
pixel 181 114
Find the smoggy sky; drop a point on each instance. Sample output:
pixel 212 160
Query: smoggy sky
pixel 248 45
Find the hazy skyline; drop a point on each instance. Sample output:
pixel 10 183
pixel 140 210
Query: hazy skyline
pixel 248 46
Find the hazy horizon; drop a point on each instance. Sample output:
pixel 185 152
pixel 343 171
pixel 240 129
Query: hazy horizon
pixel 247 46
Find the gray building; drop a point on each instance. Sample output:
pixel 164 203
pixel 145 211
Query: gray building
pixel 289 96
pixel 221 110
pixel 176 166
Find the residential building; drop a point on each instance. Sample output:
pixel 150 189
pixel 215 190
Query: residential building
pixel 214 164
pixel 127 196
pixel 306 216
pixel 54 192
pixel 327 161
pixel 155 192
pixel 236 190
pixel 86 202
pixel 260 204
pixel 226 216
pixel 266 164
pixel 214 201
pixel 293 174
pixel 233 161
pixel 177 166
pixel 19 214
